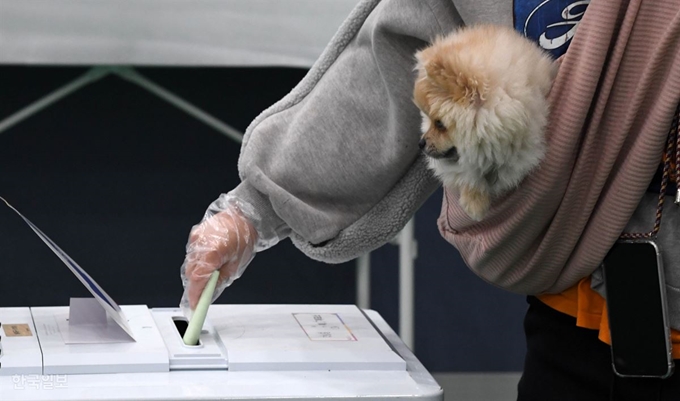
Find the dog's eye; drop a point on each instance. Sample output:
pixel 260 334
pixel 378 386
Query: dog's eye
pixel 438 125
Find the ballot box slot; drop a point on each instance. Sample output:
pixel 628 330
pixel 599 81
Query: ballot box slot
pixel 208 354
pixel 181 324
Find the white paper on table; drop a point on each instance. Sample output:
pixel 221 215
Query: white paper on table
pixel 88 323
pixel 110 306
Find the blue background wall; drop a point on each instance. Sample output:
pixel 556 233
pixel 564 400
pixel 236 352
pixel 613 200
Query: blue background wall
pixel 117 178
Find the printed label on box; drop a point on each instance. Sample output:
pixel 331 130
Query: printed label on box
pixel 324 327
pixel 17 330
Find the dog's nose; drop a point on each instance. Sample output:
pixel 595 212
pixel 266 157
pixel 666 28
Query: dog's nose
pixel 422 144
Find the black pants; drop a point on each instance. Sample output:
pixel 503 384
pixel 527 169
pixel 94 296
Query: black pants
pixel 569 363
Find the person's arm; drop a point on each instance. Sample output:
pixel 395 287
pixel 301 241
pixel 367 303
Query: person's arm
pixel 337 145
pixel 335 165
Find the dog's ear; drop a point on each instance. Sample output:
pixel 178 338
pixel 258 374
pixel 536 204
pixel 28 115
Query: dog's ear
pixel 431 64
pixel 474 88
pixel 458 79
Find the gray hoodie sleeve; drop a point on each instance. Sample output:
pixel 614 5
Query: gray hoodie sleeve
pixel 335 165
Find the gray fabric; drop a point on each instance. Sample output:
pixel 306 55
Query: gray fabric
pixel 485 11
pixel 642 222
pixel 335 164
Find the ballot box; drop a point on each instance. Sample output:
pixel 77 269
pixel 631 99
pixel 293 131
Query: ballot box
pixel 245 352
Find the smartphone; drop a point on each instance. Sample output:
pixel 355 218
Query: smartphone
pixel 637 310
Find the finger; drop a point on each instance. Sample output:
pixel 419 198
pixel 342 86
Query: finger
pixel 195 288
pixel 228 271
pixel 194 235
pixel 198 275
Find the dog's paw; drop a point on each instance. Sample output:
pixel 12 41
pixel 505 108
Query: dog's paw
pixel 475 203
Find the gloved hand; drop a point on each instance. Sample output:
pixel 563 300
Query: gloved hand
pixel 226 240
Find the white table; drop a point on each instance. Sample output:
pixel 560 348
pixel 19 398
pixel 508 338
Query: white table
pixel 414 383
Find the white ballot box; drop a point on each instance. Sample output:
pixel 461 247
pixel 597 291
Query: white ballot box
pixel 96 350
pixel 292 352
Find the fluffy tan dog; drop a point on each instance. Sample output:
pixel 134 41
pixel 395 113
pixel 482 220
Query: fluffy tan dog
pixel 482 95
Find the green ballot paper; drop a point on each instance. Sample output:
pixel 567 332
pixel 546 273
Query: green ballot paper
pixel 196 324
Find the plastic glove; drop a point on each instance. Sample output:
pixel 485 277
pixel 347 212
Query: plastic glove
pixel 226 240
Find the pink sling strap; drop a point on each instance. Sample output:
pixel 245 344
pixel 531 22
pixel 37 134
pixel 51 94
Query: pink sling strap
pixel 612 104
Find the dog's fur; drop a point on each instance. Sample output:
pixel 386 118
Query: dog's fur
pixel 482 94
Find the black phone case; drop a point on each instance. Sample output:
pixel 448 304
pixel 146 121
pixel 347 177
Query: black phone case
pixel 637 310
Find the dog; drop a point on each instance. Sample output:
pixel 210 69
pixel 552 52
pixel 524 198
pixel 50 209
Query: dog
pixel 482 94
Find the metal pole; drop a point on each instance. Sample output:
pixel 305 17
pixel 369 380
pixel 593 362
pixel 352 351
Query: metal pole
pixel 407 255
pixel 90 76
pixel 133 76
pixel 364 281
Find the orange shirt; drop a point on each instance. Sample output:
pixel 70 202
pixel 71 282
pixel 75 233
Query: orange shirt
pixel 590 311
